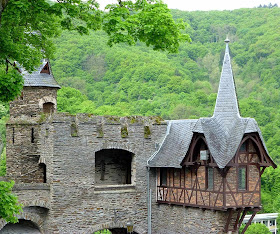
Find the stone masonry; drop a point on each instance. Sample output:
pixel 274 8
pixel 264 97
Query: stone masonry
pixel 72 200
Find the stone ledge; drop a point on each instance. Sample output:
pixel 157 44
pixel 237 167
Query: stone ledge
pixel 29 186
pixel 114 188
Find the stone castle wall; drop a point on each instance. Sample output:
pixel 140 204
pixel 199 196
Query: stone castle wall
pixel 72 201
pixel 78 203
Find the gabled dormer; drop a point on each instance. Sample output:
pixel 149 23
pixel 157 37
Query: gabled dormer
pixel 46 69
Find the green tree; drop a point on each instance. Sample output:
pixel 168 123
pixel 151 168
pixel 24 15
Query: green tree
pixel 9 206
pixel 257 228
pixel 28 26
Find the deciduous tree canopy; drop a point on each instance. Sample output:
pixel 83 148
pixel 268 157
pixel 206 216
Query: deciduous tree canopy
pixel 28 26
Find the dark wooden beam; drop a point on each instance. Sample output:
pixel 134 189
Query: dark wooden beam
pixel 237 220
pixel 242 217
pixel 228 220
pixel 249 222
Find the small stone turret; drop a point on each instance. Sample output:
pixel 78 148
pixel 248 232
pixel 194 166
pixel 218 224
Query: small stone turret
pixel 39 93
pixel 23 129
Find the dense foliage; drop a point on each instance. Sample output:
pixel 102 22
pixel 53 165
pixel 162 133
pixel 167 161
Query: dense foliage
pixel 255 228
pixel 8 203
pixel 28 26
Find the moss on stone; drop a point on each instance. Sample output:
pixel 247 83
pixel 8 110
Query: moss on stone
pixel 42 118
pixel 74 130
pixel 157 120
pixel 100 132
pixel 124 132
pixel 147 132
pixel 113 120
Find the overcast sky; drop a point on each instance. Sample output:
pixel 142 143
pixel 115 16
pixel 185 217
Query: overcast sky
pixel 206 5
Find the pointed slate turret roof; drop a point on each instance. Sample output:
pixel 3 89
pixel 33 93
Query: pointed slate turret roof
pixel 39 78
pixel 223 131
pixel 226 102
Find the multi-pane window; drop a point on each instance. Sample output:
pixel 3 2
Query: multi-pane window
pixel 210 178
pixel 243 147
pixel 242 178
pixel 163 176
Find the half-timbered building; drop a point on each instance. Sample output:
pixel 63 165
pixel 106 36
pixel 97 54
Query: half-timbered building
pixel 214 163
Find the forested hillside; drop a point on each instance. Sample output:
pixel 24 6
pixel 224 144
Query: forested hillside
pixel 124 80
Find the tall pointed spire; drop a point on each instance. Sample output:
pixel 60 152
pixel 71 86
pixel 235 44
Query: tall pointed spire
pixel 226 103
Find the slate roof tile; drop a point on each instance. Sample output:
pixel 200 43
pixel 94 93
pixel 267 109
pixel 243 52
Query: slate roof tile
pixel 38 79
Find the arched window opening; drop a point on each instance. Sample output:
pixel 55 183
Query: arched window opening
pixel 114 231
pixel 48 107
pixel 113 166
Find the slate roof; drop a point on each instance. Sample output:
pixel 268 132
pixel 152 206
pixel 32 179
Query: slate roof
pixel 175 144
pixel 223 131
pixel 38 79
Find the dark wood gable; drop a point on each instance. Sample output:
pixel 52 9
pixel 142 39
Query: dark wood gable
pixel 197 145
pixel 46 69
pixel 251 144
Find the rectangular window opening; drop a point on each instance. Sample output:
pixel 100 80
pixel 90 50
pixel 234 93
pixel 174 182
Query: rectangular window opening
pixel 242 177
pixel 210 178
pixel 13 136
pixel 163 176
pixel 44 173
pixel 32 135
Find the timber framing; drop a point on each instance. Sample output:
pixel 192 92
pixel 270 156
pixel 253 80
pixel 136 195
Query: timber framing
pixel 236 188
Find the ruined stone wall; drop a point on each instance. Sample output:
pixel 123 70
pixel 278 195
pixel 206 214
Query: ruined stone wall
pixel 30 103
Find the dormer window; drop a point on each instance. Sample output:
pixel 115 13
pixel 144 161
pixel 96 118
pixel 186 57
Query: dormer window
pixel 163 176
pixel 46 69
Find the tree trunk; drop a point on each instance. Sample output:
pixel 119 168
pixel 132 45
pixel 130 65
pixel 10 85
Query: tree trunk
pixel 3 4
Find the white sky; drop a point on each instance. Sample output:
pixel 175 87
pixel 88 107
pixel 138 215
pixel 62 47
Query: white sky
pixel 206 5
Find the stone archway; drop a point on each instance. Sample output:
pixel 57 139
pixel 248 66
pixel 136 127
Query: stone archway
pixel 35 215
pixel 115 228
pixel 23 226
pixel 49 103
pixel 116 231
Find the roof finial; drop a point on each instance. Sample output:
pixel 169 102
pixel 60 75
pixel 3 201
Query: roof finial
pixel 227 40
